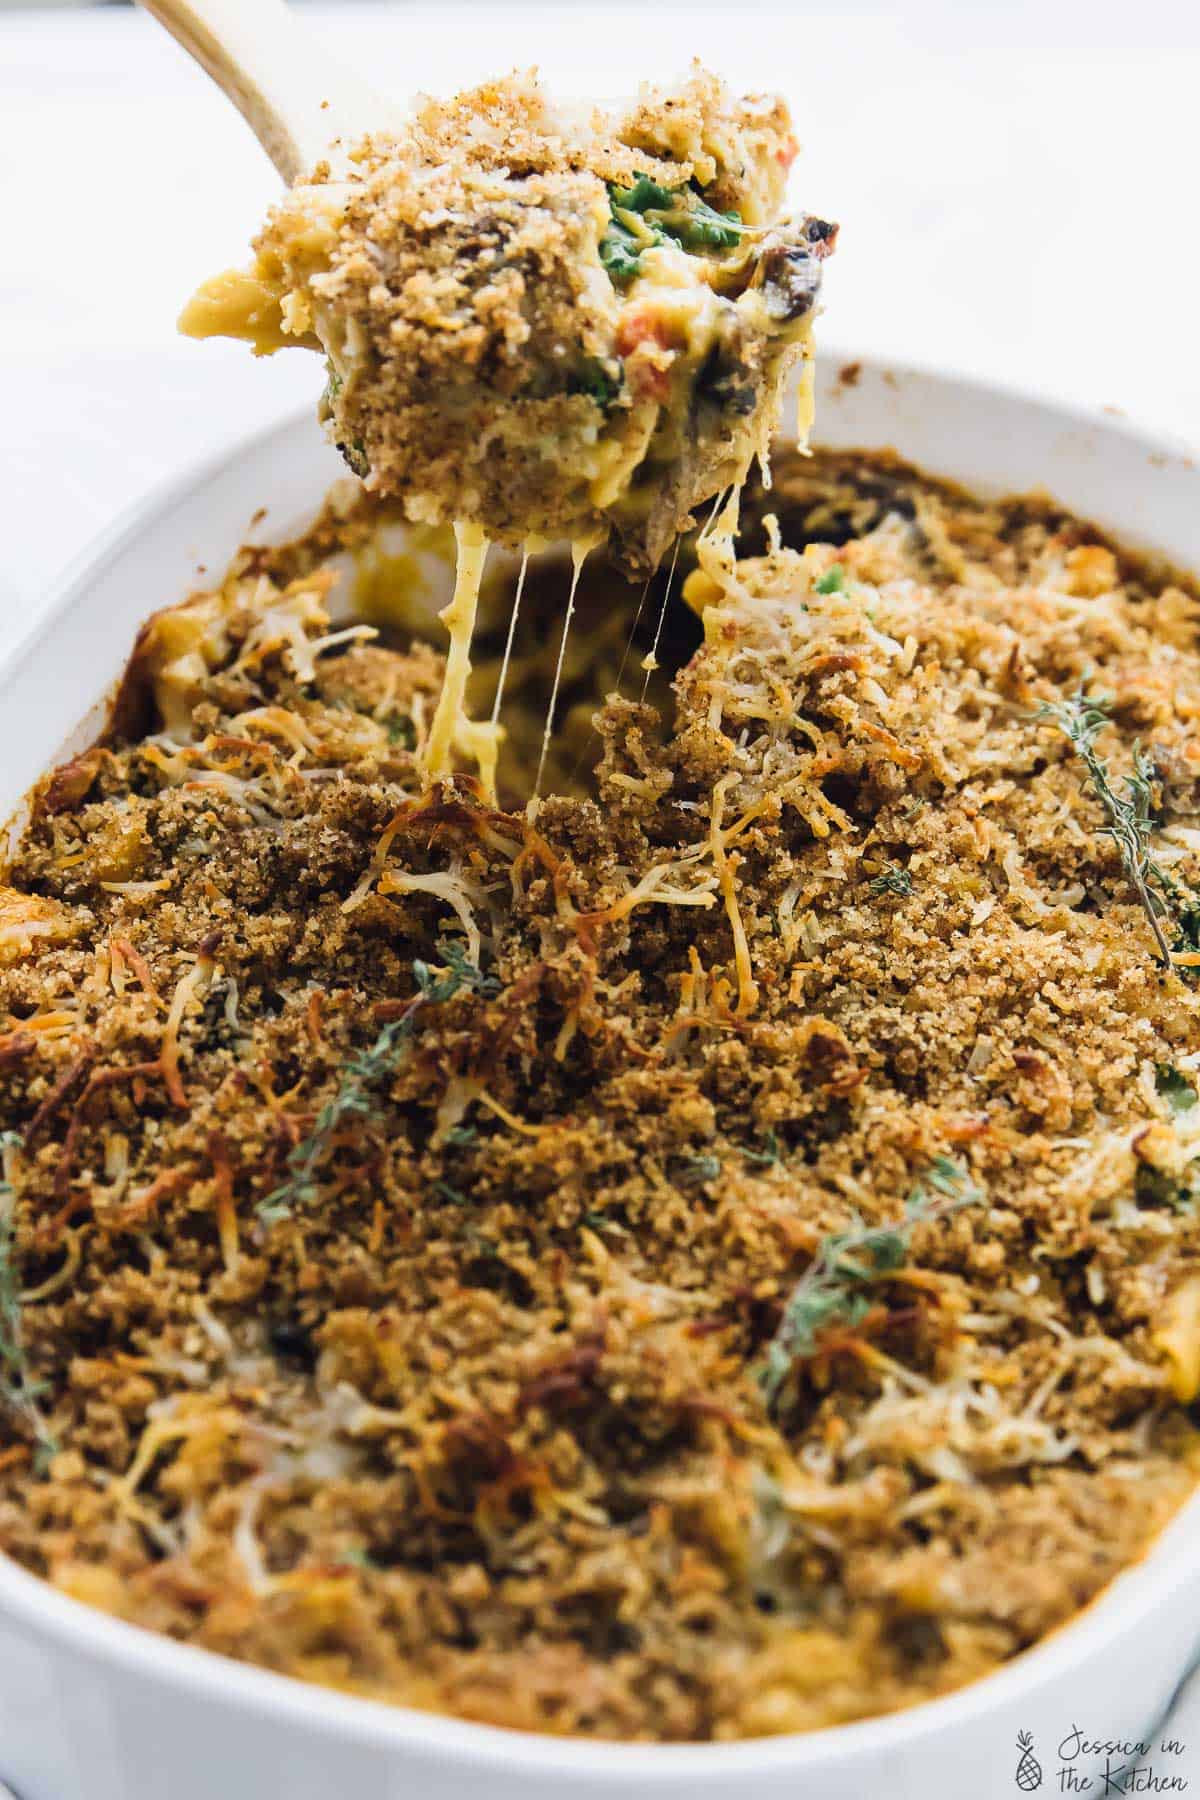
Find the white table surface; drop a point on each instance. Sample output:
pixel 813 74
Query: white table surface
pixel 1015 184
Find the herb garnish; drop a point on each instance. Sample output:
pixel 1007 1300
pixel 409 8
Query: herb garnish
pixel 678 213
pixel 1131 815
pixel 354 455
pixel 896 881
pixel 1175 1088
pixel 1155 1187
pixel 595 379
pixel 770 1154
pixel 1158 1187
pixel 836 1286
pixel 358 1558
pixel 698 1169
pixel 600 1221
pixel 17 1392
pixel 365 1071
pixel 833 581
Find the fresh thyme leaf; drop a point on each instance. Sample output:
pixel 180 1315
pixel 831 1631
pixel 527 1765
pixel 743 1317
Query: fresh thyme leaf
pixel 1174 1088
pixel 358 1557
pixel 364 1071
pixel 401 730
pixel 893 881
pixel 600 1221
pixel 945 1177
pixel 833 581
pixel 460 1136
pixel 771 1152
pixel 698 1169
pixel 836 1285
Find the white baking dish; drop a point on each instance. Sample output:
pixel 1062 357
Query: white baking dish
pixel 91 1709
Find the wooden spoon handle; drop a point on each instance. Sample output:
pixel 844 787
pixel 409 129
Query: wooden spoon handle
pixel 294 96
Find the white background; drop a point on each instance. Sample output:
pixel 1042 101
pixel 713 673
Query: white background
pixel 1017 185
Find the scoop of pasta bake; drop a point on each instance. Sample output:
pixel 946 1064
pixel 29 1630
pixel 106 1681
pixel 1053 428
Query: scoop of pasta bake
pixel 542 323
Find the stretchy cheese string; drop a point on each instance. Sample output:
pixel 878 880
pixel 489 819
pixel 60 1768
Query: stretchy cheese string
pixel 650 663
pixel 805 390
pixel 450 722
pixel 512 631
pixel 579 554
pixel 637 619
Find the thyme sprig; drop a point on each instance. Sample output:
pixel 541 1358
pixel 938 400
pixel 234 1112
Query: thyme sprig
pixel 895 881
pixel 17 1392
pixel 769 1155
pixel 364 1071
pixel 1131 814
pixel 836 1286
pixel 698 1169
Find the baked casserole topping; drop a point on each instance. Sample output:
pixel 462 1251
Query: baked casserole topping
pixel 719 1257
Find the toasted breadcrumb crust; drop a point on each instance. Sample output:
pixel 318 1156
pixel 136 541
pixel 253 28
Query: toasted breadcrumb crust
pixel 475 1423
pixel 486 362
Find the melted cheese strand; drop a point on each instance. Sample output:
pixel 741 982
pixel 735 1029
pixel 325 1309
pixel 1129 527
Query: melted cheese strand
pixel 726 868
pixel 805 390
pixel 458 617
pixel 480 739
pixel 650 663
pixel 512 631
pixel 580 550
pixel 637 619
pixel 715 545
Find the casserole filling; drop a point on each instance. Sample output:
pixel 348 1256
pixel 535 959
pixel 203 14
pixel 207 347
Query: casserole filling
pixel 536 323
pixel 718 1258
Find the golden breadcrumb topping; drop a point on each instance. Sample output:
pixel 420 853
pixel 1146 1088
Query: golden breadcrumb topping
pixel 539 321
pixel 719 1257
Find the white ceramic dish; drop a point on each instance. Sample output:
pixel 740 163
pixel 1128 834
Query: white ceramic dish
pixel 91 1709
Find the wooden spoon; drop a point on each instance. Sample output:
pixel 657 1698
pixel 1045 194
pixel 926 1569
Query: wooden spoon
pixel 296 98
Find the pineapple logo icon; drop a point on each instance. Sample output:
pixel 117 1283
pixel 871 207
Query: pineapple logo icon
pixel 1029 1770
